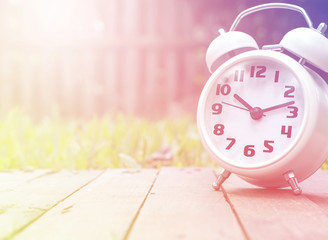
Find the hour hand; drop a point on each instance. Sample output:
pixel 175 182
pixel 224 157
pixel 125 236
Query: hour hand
pixel 256 113
pixel 242 101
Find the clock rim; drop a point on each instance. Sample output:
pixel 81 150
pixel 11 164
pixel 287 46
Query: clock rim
pixel 301 75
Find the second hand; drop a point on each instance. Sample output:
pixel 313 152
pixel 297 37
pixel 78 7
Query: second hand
pixel 229 104
pixel 235 106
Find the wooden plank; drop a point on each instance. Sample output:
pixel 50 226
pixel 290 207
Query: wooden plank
pixel 172 78
pixel 131 80
pixel 275 213
pixel 170 27
pixel 88 84
pixel 130 66
pixel 150 18
pixel 152 87
pixel 315 189
pixel 130 18
pixel 111 18
pixel 6 76
pixel 170 20
pixel 69 85
pixel 102 210
pixel 111 74
pixel 27 202
pixel 9 180
pixel 47 78
pixel 27 81
pixel 182 205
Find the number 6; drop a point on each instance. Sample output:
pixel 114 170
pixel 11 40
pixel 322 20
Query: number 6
pixel 249 150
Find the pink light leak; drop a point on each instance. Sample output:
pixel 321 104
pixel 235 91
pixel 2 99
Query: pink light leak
pixel 85 58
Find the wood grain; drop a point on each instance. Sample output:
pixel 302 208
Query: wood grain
pixel 277 213
pixel 25 203
pixel 104 209
pixel 182 205
pixel 315 188
pixel 9 180
pixel 170 203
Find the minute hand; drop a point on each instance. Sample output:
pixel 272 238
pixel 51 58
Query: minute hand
pixel 278 106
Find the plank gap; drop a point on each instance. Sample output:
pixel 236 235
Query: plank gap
pixel 22 228
pixel 233 209
pixel 182 205
pixel 126 236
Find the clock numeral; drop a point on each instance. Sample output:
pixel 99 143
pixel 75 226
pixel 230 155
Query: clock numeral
pixel 232 142
pixel 268 146
pixel 239 76
pixel 224 89
pixel 217 108
pixel 218 129
pixel 249 150
pixel 289 91
pixel 276 76
pixel 286 130
pixel 258 71
pixel 293 112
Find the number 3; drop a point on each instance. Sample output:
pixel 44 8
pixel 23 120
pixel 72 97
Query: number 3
pixel 293 111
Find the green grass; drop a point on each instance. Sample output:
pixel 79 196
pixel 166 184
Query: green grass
pixel 107 142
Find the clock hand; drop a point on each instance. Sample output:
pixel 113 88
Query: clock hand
pixel 235 106
pixel 242 101
pixel 278 106
pixel 256 112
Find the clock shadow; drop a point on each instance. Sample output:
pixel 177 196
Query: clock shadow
pixel 255 197
pixel 236 186
pixel 320 199
pixel 314 190
pixel 258 192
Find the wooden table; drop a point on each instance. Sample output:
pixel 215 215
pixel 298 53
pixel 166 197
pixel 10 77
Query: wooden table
pixel 170 203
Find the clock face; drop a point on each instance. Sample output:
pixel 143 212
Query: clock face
pixel 253 111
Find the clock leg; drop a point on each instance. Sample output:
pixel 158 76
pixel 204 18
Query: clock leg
pixel 293 183
pixel 224 174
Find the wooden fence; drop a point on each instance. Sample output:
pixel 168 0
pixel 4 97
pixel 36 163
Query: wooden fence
pixel 93 57
pixel 90 57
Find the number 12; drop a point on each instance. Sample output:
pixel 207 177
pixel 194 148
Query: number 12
pixel 258 71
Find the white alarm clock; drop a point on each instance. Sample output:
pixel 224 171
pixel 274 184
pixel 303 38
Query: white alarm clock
pixel 263 114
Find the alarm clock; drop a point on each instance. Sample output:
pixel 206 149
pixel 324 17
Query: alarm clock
pixel 263 113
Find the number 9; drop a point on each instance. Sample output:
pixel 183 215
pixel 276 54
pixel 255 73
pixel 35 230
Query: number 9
pixel 217 108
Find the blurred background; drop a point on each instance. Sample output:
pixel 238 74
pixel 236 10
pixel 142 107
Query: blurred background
pixel 84 58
